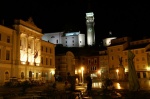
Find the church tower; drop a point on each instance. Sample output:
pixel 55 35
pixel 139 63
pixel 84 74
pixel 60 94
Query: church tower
pixel 90 29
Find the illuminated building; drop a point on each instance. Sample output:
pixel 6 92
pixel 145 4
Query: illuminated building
pixel 65 63
pixel 21 53
pixel 71 39
pixel 117 60
pixel 90 29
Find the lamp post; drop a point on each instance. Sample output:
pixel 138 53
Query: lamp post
pixel 99 73
pixel 117 73
pixel 82 70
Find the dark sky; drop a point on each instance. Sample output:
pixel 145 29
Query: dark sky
pixel 123 19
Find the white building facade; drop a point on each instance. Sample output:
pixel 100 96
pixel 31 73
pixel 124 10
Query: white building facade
pixel 71 39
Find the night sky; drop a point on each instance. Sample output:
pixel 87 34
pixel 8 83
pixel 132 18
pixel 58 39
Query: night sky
pixel 122 19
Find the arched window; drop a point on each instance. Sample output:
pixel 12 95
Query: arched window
pixel 6 76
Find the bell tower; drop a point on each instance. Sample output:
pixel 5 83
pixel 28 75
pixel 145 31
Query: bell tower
pixel 90 29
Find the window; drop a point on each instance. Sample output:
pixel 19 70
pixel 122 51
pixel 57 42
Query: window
pixel 138 74
pixel 46 49
pixel 57 41
pixel 89 62
pixel 8 39
pixel 50 50
pixel 41 48
pixel 142 51
pixel 143 58
pixel 112 57
pixel 137 66
pixel 0 37
pixel 41 60
pixel 95 61
pixel 72 41
pixel 144 66
pixel 66 41
pixel 50 61
pixel 53 37
pixel 144 74
pixel 46 61
pixel 7 54
pixel 0 53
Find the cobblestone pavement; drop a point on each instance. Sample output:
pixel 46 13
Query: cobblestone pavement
pixel 96 93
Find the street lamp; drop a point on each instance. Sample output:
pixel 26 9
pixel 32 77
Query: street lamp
pixel 99 73
pixel 117 72
pixel 82 70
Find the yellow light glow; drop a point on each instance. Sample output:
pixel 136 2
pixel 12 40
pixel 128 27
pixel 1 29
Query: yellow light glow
pixel 53 72
pixel 99 71
pixel 126 70
pixel 148 68
pixel 23 62
pixel 118 86
pixel 117 70
pixel 79 71
pixel 82 68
